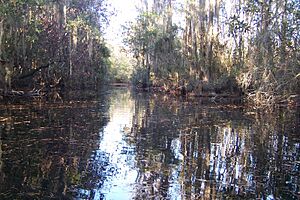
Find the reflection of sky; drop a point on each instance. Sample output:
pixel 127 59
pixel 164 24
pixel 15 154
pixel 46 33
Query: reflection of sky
pixel 122 156
pixel 121 185
pixel 221 160
pixel 175 186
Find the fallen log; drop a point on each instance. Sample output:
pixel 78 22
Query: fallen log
pixel 120 84
pixel 214 95
pixel 15 93
pixel 33 71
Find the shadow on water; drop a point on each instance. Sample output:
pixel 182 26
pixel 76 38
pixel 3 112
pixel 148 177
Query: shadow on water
pixel 119 145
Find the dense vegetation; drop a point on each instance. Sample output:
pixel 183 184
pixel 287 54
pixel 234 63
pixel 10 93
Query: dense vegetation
pixel 48 43
pixel 193 47
pixel 222 46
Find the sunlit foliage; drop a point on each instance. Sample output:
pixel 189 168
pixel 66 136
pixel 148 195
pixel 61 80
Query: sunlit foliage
pixel 213 42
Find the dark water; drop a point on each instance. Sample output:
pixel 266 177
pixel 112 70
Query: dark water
pixel 119 145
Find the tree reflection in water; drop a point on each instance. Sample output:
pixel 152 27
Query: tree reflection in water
pixel 190 151
pixel 141 146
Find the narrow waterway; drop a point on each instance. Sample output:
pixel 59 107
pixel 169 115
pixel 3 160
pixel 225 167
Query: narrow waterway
pixel 118 144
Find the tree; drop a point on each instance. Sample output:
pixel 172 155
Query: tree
pixel 153 42
pixel 225 45
pixel 64 36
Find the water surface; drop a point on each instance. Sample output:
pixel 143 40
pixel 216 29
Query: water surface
pixel 122 145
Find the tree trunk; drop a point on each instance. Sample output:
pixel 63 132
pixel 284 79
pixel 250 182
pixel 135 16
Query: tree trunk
pixel 202 37
pixel 1 35
pixel 209 42
pixel 283 34
pixel 169 16
pixel 148 70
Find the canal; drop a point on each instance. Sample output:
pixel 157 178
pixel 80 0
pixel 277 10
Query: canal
pixel 118 144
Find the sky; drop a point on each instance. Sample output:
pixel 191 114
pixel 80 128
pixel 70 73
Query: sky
pixel 125 10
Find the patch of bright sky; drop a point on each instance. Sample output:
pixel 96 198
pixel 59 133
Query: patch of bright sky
pixel 125 10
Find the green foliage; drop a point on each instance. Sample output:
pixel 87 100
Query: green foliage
pixel 237 26
pixel 120 67
pixel 139 76
pixel 256 40
pixel 141 35
pixel 156 50
pixel 67 35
